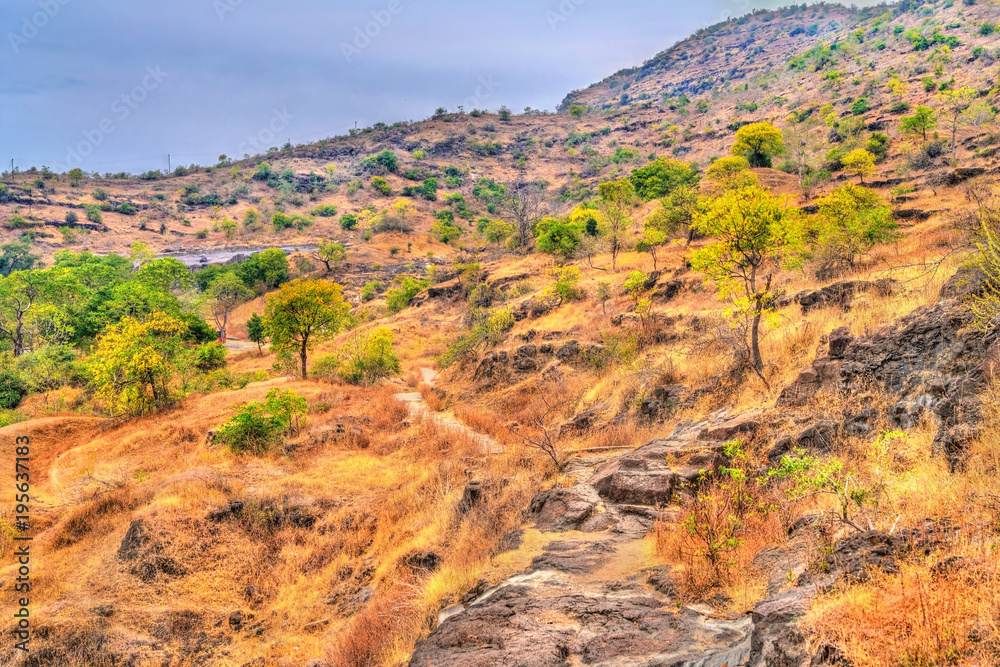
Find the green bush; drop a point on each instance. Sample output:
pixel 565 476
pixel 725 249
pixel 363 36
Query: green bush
pixel 210 357
pixel 264 270
pixel 282 221
pixel 369 358
pixel 13 389
pixel 381 186
pixel 260 426
pixel 100 194
pixel 94 214
pixel 398 298
pixel 325 211
pixel 348 221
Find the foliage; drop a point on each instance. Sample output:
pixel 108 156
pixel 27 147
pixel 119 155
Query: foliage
pixel 258 427
pixel 210 356
pixel 17 256
pixel 303 313
pixel 398 298
pixel 325 211
pixel 332 254
pixel 859 162
pixel 348 221
pixel 661 177
pixel 755 235
pixel 558 236
pixel 759 143
pixel 565 285
pixel 225 294
pixel 13 388
pixel 134 363
pixel 732 172
pixel 369 358
pixel 444 228
pixel 853 220
pixel 923 120
pixel 264 270
pixel 381 186
pixel 256 331
pixel 282 221
pixel 617 200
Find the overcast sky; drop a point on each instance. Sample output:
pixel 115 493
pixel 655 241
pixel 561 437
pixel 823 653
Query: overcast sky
pixel 116 85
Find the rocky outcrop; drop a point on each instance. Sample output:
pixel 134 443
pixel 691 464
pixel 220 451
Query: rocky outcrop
pixel 931 360
pixel 652 474
pixel 839 294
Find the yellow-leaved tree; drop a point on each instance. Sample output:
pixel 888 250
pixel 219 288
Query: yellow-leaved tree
pixel 303 313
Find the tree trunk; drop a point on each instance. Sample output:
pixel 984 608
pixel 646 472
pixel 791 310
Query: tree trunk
pixel 303 353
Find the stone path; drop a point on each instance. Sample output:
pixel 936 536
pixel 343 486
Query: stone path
pixel 418 409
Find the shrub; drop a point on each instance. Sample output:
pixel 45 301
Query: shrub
pixel 369 358
pixel 12 389
pixel 398 298
pixel 260 426
pixel 370 290
pixel 325 211
pixel 94 215
pixel 565 284
pixel 860 106
pixel 577 110
pixel 381 185
pixel 661 177
pixel 348 221
pixel 384 162
pixel 100 194
pixel 210 357
pixel 264 270
pixel 126 208
pixel 282 221
pixel 72 217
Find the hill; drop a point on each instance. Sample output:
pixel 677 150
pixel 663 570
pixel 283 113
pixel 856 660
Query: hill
pixel 549 452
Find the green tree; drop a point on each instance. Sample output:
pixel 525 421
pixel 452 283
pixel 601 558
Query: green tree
pixel 729 173
pixel 225 294
pixel 20 293
pixel 860 163
pixel 398 298
pixel 759 143
pixel 617 201
pixel 755 235
pixel 256 332
pixel 923 120
pixel 565 284
pixel 497 231
pixel 558 237
pixel 660 177
pixel 652 240
pixel 303 313
pixel 134 363
pixel 17 256
pixel 332 254
pixel 264 270
pixel 956 104
pixel 853 220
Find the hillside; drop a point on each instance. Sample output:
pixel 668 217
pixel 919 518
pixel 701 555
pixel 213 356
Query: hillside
pixel 554 452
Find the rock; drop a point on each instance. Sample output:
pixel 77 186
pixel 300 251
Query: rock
pixel 137 537
pixel 856 557
pixel 838 341
pixel 316 626
pixel 961 175
pixel 569 352
pixel 745 424
pixel 231 509
pixel 776 640
pixel 445 289
pixel 662 401
pixel 839 294
pixel 967 280
pixel 583 421
pixel 472 495
pixel 236 620
pixel 422 560
pixel 318 662
pixel 559 508
pixel 494 367
pixel 526 351
pixel 573 557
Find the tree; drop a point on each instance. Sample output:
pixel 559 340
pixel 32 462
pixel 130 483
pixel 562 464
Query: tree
pixel 650 242
pixel 853 221
pixel 659 178
pixel 522 203
pixel 923 120
pixel 303 313
pixel 332 254
pixel 264 270
pixel 19 293
pixel 860 163
pixel 17 256
pixel 755 235
pixel 134 363
pixel 227 292
pixel 497 231
pixel 617 198
pixel 256 332
pixel 759 143
pixel 956 104
pixel 559 237
pixel 730 173
pixel 565 284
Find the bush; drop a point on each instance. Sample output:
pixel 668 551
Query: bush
pixel 398 298
pixel 860 106
pixel 100 194
pixel 381 186
pixel 325 211
pixel 348 221
pixel 72 217
pixel 386 161
pixel 264 270
pixel 282 221
pixel 370 357
pixel 260 426
pixel 13 389
pixel 210 357
pixel 94 214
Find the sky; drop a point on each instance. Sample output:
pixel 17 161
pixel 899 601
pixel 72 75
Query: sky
pixel 118 85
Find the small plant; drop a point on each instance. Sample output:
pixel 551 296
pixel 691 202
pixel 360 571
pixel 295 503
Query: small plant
pixel 260 426
pixel 325 211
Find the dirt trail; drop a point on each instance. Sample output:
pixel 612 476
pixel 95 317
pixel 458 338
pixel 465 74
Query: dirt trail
pixel 418 408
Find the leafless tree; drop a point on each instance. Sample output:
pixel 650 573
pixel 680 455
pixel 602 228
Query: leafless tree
pixel 524 204
pixel 545 430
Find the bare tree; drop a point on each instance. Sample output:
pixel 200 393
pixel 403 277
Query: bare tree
pixel 524 203
pixel 545 437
